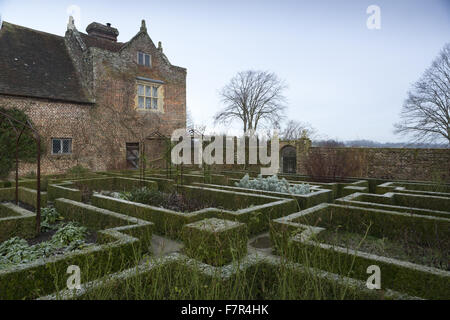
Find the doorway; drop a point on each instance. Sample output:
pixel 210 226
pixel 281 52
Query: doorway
pixel 133 155
pixel 289 159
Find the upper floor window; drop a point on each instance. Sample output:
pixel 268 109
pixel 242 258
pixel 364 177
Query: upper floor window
pixel 62 146
pixel 144 59
pixel 148 97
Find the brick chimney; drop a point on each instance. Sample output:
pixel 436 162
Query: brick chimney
pixel 99 30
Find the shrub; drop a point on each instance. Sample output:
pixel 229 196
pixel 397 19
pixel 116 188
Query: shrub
pixel 337 163
pixel 272 184
pixel 78 171
pixel 27 145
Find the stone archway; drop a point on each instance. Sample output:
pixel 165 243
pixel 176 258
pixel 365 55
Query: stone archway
pixel 289 159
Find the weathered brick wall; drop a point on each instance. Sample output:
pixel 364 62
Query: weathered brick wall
pixel 100 131
pixel 56 120
pixel 391 163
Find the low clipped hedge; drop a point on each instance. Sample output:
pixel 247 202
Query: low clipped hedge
pixel 26 195
pixel 119 245
pixel 430 189
pixel 7 194
pixel 388 202
pixel 29 196
pixel 257 214
pixel 215 241
pixel 258 276
pixel 16 222
pixel 71 189
pixel 304 200
pixel 295 234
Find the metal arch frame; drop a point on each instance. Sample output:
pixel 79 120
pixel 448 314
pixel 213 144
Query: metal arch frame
pixel 37 139
pixel 155 135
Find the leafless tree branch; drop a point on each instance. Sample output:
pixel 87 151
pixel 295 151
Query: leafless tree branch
pixel 426 111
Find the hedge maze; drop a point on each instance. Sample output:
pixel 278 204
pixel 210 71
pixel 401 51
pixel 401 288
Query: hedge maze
pixel 318 245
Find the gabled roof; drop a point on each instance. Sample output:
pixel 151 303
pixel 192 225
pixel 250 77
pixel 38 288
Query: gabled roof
pixel 37 64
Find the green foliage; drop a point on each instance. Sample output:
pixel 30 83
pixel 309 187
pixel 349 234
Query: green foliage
pixel 8 137
pixel 17 250
pixel 272 184
pixel 69 233
pixel 143 195
pixel 173 201
pixel 78 171
pixel 49 217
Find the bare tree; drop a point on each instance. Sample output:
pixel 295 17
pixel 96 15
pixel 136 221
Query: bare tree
pixel 192 125
pixel 426 111
pixel 294 130
pixel 255 98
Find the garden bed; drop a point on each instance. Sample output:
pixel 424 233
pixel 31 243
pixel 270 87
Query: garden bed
pixel 120 240
pixel 411 273
pixel 418 188
pixel 82 190
pixel 316 196
pixel 401 202
pixel 256 277
pixel 173 201
pixel 253 209
pixel 405 248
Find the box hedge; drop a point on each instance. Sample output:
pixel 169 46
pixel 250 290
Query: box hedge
pixel 215 241
pixel 118 247
pixel 295 233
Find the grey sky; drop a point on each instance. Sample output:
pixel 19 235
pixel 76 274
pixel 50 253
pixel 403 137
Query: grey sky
pixel 349 82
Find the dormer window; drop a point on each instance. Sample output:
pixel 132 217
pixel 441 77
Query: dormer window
pixel 144 59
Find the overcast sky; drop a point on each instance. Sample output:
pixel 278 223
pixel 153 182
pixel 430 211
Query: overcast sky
pixel 347 81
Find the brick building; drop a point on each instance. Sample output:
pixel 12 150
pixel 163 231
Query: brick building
pixel 93 99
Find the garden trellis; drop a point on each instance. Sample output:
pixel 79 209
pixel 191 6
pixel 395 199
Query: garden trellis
pixel 155 135
pixel 19 128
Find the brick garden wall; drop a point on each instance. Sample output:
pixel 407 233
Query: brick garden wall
pixel 391 163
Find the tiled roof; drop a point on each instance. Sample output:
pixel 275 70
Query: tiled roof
pixel 37 64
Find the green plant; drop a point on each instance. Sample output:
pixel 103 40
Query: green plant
pixel 272 184
pixel 78 171
pixel 143 195
pixel 17 250
pixel 8 138
pixel 49 218
pixel 68 234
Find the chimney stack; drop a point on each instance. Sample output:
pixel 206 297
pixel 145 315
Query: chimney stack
pixel 99 30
